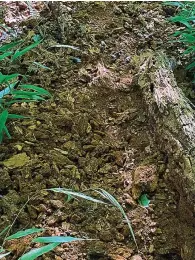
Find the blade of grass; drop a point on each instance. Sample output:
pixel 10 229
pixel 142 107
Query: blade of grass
pixel 19 53
pixel 56 239
pixel 33 254
pixel 39 90
pixel 7 54
pixel 24 233
pixel 4 230
pixel 76 194
pixel 8 46
pixel 114 202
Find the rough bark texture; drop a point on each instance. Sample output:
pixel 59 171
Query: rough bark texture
pixel 172 120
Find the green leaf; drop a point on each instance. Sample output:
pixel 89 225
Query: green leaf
pixel 177 33
pixel 76 194
pixel 56 239
pixel 190 66
pixel 144 201
pixel 6 78
pixel 115 203
pixel 33 254
pixel 4 230
pixel 41 65
pixel 7 132
pixel 9 103
pixel 3 56
pixel 7 90
pixel 36 38
pixel 8 46
pixel 188 50
pixel 3 119
pixel 180 19
pixel 69 198
pixel 187 38
pixel 177 4
pixel 14 116
pixel 19 53
pixel 75 59
pixel 39 90
pixel 3 255
pixel 26 96
pixel 25 233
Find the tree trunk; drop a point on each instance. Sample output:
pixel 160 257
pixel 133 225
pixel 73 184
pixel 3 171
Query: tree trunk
pixel 171 116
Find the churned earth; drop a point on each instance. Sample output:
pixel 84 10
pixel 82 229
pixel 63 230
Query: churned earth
pixel 93 133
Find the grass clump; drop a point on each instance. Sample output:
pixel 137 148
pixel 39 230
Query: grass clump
pixel 185 17
pixel 11 88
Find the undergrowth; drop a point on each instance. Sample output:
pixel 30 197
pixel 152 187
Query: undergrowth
pixel 185 17
pixel 13 87
pixel 54 241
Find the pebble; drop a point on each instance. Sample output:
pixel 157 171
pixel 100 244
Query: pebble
pixel 57 204
pixel 136 257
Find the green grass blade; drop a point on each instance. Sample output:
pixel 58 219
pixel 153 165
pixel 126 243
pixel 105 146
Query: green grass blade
pixel 3 119
pixel 4 230
pixel 19 53
pixel 76 194
pixel 8 46
pixel 15 116
pixel 26 96
pixel 188 50
pixel 33 254
pixel 3 56
pixel 56 239
pixel 7 90
pixel 24 233
pixel 39 90
pixel 114 202
pixel 41 65
pixel 9 103
pixel 6 78
pixel 7 132
pixel 177 4
pixel 190 66
pixel 181 20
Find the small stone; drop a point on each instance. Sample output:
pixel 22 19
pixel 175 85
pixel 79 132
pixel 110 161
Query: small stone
pixel 57 204
pixel 119 237
pixel 151 249
pixel 18 147
pixel 58 258
pixel 16 161
pixel 136 257
pixel 117 10
pixel 52 220
pixel 105 169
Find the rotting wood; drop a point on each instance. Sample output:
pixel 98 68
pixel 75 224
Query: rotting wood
pixel 172 119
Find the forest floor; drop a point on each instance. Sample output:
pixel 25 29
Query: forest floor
pixel 93 133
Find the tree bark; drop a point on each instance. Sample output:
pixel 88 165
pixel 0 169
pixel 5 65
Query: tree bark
pixel 172 119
